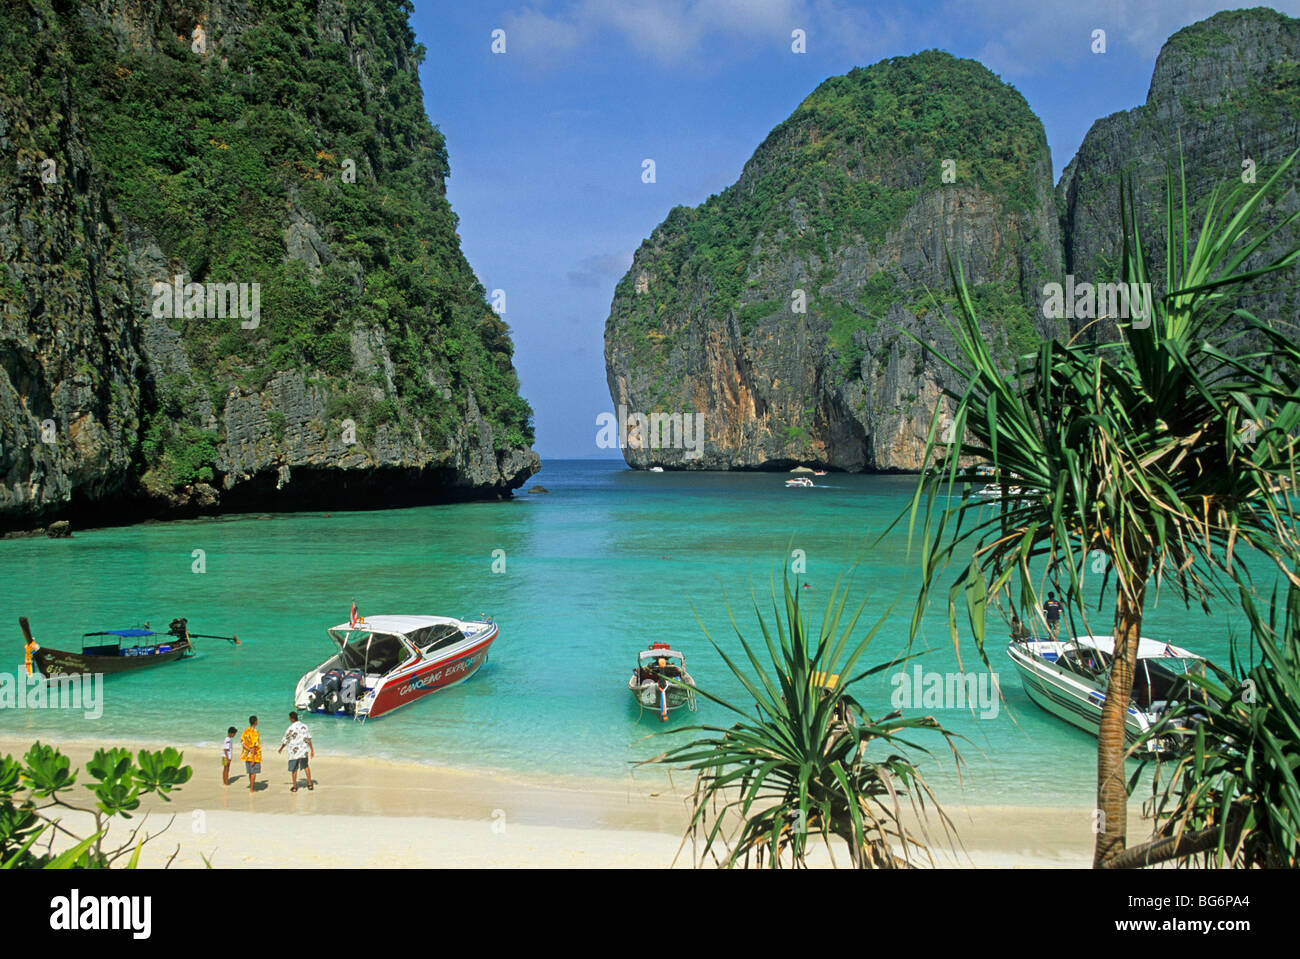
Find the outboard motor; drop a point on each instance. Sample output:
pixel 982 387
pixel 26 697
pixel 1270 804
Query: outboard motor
pixel 349 691
pixel 325 694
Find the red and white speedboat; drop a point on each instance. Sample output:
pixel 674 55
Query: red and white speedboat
pixel 384 662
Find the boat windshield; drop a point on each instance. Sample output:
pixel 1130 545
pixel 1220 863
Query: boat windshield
pixel 436 637
pixel 1082 660
pixel 1161 681
pixel 386 652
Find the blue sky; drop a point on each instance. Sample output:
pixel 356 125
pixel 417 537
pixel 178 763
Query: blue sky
pixel 547 139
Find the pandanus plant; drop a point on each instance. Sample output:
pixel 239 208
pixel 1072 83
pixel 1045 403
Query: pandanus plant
pixel 804 758
pixel 1231 794
pixel 1160 458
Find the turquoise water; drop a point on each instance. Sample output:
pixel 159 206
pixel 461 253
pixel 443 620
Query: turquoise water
pixel 608 561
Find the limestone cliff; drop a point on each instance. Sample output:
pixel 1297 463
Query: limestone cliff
pixel 846 203
pixel 276 150
pixel 1225 100
pixel 777 309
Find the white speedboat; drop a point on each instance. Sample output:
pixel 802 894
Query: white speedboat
pixel 799 481
pixel 660 680
pixel 1068 678
pixel 383 662
pixel 656 469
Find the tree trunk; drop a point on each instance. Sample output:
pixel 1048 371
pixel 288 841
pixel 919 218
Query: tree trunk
pixel 1183 844
pixel 1112 791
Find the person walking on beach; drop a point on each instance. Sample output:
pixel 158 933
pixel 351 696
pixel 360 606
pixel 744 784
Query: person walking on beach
pixel 1052 610
pixel 298 739
pixel 227 754
pixel 250 751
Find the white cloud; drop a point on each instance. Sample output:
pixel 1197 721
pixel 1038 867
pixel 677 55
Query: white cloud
pixel 675 32
pixel 1032 36
pixel 1027 36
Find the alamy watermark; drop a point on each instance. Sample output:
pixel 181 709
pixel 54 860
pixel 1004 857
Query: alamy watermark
pixel 922 689
pixel 1090 301
pixel 213 301
pixel 681 431
pixel 84 691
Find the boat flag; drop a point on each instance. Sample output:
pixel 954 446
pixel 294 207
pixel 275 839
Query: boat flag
pixel 352 620
pixel 1169 651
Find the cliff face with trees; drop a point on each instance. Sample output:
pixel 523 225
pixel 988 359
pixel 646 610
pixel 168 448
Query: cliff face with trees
pixel 1225 98
pixel 777 308
pixel 847 202
pixel 274 149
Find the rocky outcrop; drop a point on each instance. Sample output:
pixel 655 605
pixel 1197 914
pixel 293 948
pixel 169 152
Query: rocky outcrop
pixel 781 313
pixel 322 186
pixel 1225 99
pixel 785 311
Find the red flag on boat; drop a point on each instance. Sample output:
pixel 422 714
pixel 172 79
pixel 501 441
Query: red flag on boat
pixel 352 620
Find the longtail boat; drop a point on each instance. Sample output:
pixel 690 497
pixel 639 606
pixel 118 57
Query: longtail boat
pixel 105 652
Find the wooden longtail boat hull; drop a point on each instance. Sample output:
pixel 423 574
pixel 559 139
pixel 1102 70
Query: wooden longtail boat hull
pixel 58 662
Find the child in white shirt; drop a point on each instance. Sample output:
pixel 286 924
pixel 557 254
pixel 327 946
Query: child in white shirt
pixel 227 749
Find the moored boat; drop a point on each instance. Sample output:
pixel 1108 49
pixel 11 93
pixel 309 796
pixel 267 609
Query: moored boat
pixel 660 680
pixel 106 653
pixel 384 662
pixel 1068 678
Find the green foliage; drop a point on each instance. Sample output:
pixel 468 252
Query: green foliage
pixel 880 119
pixel 795 764
pixel 1233 785
pixel 751 313
pixel 118 783
pixel 1139 449
pixel 845 321
pixel 211 153
pixel 278 423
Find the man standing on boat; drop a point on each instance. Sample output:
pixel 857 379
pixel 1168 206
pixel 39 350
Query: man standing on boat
pixel 1052 610
pixel 298 739
pixel 250 751
pixel 29 652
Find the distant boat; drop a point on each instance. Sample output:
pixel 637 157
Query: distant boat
pixel 656 469
pixel 802 469
pixel 799 481
pixel 650 681
pixel 819 472
pixel 384 662
pixel 107 654
pixel 994 491
pixel 1068 678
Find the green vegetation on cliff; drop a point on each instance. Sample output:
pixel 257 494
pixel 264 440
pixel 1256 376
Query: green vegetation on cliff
pixel 840 172
pixel 216 152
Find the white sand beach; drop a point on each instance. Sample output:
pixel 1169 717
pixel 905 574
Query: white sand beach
pixel 374 813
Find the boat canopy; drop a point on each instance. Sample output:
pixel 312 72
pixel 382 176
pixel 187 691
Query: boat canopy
pixel 1147 648
pixel 125 633
pixel 405 626
pixel 656 653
